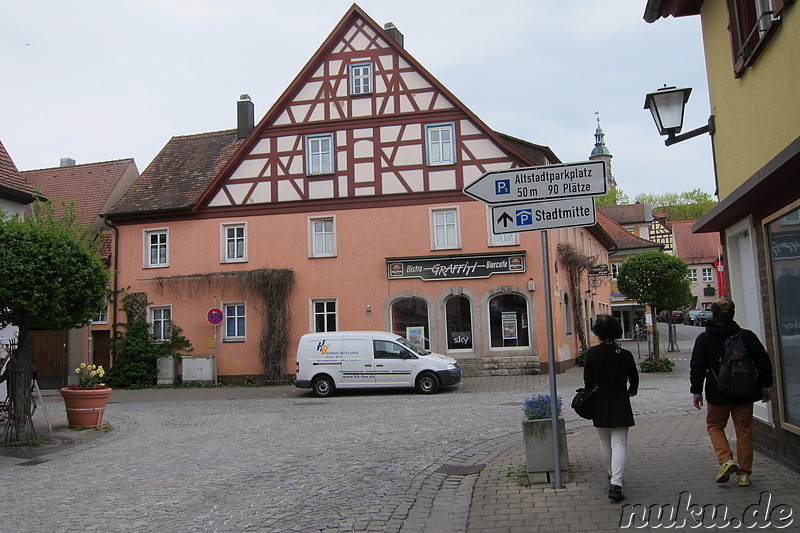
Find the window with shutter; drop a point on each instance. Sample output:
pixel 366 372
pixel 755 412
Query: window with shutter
pixel 752 24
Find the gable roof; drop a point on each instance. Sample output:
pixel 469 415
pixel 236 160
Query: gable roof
pixel 179 174
pixel 695 248
pixel 90 185
pixel 624 240
pixel 355 17
pixel 626 213
pixel 540 155
pixel 12 185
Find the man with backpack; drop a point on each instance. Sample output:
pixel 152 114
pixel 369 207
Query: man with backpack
pixel 737 372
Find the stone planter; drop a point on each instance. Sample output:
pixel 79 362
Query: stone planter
pixel 538 437
pixel 167 371
pixel 85 408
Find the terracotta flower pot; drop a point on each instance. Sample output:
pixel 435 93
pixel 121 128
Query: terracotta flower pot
pixel 85 408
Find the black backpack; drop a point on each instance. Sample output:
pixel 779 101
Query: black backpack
pixel 738 376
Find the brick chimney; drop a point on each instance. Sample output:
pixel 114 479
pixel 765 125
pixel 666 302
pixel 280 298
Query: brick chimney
pixel 245 116
pixel 394 33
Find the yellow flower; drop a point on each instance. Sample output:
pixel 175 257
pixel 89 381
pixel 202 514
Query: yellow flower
pixel 83 365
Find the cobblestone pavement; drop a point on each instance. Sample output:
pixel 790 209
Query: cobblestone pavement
pixel 279 460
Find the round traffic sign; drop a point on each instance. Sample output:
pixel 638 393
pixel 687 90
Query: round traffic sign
pixel 215 316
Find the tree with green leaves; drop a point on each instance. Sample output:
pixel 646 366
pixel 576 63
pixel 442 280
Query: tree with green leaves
pixel 684 206
pixel 51 277
pixel 658 280
pixel 614 196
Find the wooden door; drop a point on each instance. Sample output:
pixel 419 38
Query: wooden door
pixel 101 351
pixel 49 356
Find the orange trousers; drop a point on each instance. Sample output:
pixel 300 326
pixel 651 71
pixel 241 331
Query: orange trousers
pixel 742 416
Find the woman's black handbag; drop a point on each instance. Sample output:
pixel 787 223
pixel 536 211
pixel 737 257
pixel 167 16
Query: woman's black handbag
pixel 585 402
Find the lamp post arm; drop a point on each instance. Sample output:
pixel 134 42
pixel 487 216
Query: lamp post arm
pixel 708 128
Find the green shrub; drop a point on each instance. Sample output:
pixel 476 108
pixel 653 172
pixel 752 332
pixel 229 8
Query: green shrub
pixel 657 364
pixel 136 352
pixel 581 359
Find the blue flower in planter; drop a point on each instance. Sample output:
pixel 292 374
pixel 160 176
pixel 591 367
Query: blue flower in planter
pixel 538 407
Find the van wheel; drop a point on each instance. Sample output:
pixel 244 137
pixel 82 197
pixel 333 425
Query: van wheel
pixel 428 383
pixel 323 386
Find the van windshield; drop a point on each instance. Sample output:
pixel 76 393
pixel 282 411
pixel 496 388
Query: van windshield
pixel 413 347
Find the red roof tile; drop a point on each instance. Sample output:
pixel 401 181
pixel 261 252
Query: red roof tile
pixel 695 248
pixel 623 238
pixel 179 174
pixel 89 185
pixel 10 178
pixel 625 214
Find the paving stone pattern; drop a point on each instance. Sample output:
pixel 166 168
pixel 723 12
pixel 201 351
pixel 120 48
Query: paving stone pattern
pixel 279 460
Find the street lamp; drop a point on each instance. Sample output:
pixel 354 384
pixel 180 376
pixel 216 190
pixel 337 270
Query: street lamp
pixel 667 105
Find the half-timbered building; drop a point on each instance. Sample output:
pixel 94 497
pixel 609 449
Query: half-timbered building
pixel 342 209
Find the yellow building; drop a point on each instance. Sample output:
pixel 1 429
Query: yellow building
pixel 753 64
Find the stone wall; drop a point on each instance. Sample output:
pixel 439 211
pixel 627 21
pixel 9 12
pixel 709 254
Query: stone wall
pixel 511 365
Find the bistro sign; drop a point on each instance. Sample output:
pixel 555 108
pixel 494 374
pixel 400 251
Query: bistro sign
pixel 446 267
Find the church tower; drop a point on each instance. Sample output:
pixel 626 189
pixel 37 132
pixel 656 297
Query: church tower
pixel 601 153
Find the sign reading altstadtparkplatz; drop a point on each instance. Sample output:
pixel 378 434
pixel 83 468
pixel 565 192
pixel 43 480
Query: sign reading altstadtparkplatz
pixel 532 184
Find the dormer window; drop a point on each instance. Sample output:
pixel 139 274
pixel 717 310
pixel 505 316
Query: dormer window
pixel 360 79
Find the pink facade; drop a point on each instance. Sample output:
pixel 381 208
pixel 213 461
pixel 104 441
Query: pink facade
pixel 352 181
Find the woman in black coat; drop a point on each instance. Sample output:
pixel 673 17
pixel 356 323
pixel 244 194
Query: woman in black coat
pixel 612 370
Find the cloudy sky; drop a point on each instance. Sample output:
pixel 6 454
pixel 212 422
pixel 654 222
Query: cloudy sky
pixel 113 79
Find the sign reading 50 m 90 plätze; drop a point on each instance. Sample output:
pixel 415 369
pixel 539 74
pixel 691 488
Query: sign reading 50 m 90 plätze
pixel 531 184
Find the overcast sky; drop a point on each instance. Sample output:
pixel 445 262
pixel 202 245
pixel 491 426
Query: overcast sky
pixel 105 80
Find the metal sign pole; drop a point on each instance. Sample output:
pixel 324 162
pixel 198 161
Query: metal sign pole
pixel 551 367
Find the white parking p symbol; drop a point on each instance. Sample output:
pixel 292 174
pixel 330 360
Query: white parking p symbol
pixel 502 187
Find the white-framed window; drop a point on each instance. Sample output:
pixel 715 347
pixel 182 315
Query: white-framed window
pixel 361 78
pixel 235 320
pixel 324 315
pixel 102 318
pixel 440 143
pixel 708 275
pixel 615 269
pixel 233 245
pixel 445 231
pixel 502 239
pixel 322 236
pixel 692 275
pixel 161 322
pixel 156 245
pixel 319 154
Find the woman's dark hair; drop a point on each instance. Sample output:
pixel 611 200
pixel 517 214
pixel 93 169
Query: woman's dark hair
pixel 607 328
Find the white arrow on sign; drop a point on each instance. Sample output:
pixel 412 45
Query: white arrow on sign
pixel 567 213
pixel 530 184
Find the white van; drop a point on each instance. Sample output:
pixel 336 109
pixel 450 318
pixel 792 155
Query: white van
pixel 366 359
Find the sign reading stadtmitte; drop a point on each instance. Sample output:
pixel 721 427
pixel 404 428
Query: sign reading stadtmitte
pixel 566 213
pixel 587 178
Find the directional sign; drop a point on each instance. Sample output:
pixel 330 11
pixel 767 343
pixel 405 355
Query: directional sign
pixel 569 180
pixel 215 316
pixel 567 213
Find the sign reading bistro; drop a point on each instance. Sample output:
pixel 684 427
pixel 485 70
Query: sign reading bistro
pixel 445 267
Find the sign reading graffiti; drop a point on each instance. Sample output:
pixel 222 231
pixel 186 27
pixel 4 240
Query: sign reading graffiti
pixel 466 266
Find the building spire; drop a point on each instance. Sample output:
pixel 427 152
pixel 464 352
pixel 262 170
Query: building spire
pixel 601 152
